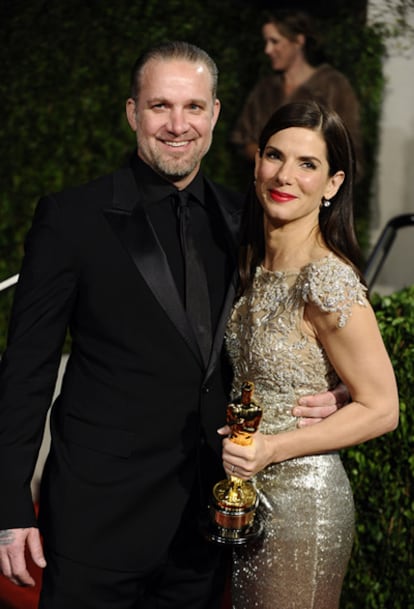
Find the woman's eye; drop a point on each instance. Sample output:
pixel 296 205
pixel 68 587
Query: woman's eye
pixel 309 165
pixel 272 154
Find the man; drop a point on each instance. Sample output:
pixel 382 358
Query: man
pixel 134 448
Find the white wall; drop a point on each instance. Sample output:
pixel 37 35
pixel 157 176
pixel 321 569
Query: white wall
pixel 394 184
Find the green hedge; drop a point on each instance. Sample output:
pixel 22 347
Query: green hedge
pixel 381 574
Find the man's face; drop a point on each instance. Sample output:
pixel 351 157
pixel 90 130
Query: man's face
pixel 174 117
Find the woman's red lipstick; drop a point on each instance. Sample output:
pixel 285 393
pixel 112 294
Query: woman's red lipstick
pixel 281 197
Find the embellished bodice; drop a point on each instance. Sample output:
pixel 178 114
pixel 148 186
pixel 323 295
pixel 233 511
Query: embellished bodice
pixel 266 338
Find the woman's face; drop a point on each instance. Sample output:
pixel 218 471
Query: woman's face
pixel 292 176
pixel 281 51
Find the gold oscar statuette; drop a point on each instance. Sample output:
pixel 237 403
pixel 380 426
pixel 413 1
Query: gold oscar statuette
pixel 234 501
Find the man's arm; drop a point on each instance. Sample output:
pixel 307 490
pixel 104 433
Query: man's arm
pixel 313 408
pixel 42 306
pixel 12 554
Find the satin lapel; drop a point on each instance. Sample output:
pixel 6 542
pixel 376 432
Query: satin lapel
pixel 132 226
pixel 221 326
pixel 232 219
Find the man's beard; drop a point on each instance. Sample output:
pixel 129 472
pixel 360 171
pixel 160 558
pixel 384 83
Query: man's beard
pixel 172 170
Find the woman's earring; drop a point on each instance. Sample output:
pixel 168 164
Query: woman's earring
pixel 326 203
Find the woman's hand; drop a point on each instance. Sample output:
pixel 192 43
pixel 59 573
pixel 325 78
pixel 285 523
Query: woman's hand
pixel 246 461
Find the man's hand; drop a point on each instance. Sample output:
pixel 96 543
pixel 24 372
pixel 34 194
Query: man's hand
pixel 313 408
pixel 12 554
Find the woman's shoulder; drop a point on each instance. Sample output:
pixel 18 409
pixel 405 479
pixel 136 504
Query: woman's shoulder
pixel 325 72
pixel 333 286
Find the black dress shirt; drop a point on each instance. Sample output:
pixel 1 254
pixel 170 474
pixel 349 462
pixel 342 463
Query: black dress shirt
pixel 209 229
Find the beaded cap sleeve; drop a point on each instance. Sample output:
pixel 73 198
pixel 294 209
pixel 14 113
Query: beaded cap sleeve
pixel 333 286
pixel 266 339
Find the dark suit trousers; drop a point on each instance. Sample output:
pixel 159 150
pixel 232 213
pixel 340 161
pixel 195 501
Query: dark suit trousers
pixel 191 576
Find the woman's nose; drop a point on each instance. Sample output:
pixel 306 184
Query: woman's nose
pixel 284 175
pixel 267 48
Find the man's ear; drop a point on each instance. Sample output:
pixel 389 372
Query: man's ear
pixel 216 112
pixel 130 109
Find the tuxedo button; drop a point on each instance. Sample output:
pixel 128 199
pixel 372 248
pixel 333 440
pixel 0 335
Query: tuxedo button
pixel 205 389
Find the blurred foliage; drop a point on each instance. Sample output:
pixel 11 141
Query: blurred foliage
pixel 395 18
pixel 381 572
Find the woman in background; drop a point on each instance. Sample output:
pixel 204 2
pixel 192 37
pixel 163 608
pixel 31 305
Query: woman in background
pixel 302 322
pixel 299 73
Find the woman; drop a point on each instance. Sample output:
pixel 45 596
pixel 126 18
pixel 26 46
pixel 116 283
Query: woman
pixel 302 321
pixel 299 73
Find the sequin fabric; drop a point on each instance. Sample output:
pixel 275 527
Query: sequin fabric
pixel 306 503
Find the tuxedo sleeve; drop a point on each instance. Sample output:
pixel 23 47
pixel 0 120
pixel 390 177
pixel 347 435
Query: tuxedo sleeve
pixel 44 299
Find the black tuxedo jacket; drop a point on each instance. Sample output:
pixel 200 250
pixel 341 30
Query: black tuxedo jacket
pixel 138 411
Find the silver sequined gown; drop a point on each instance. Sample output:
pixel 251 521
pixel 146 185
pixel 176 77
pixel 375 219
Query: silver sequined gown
pixel 307 503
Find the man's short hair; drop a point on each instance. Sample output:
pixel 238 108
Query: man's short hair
pixel 172 50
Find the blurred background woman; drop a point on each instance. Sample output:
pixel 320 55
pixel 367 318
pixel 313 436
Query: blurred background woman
pixel 300 72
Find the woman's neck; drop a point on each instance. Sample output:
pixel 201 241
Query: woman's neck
pixel 296 75
pixel 285 249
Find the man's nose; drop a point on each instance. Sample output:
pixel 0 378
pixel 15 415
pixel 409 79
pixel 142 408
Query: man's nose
pixel 177 122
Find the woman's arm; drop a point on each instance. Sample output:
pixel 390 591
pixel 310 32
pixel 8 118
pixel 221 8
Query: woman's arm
pixel 358 354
